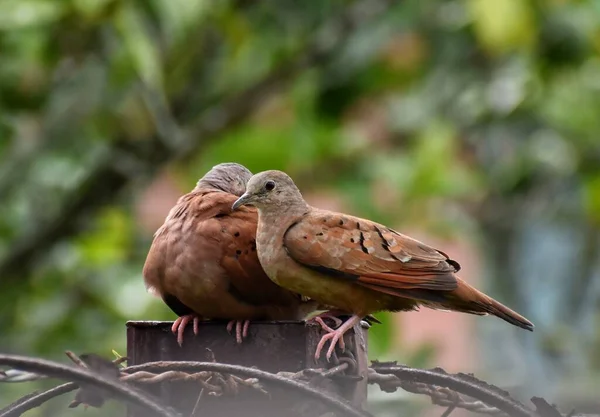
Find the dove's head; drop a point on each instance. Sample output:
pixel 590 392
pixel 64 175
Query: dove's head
pixel 228 177
pixel 270 190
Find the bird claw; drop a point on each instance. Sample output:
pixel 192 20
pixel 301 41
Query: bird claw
pixel 326 315
pixel 336 337
pixel 325 327
pixel 241 329
pixel 179 325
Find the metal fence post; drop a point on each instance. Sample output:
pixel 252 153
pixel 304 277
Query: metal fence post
pixel 270 346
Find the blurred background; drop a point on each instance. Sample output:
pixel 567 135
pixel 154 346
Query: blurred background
pixel 471 124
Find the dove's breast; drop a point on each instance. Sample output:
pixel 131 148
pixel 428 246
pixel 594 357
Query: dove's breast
pixel 341 292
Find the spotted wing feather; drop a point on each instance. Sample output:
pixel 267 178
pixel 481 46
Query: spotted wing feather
pixel 375 256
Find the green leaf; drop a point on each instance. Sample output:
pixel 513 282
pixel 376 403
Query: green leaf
pixel 503 25
pixel 592 198
pixel 141 47
pixel 110 240
pixel 20 14
pixel 91 9
pixel 178 17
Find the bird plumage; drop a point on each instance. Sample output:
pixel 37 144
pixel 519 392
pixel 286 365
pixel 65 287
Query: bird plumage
pixel 355 264
pixel 203 259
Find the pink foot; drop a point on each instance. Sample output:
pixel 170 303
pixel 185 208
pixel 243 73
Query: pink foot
pixel 241 329
pixel 336 337
pixel 331 314
pixel 178 326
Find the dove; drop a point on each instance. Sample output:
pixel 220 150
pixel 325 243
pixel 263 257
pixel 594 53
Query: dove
pixel 355 265
pixel 203 261
pixel 89 395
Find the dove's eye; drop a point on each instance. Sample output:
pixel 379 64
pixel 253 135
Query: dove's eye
pixel 269 185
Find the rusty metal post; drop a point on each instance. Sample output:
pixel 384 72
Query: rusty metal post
pixel 270 346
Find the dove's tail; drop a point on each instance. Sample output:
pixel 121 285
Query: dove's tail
pixel 467 299
pixel 470 300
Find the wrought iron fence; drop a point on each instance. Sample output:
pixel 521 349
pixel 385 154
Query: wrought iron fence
pixel 450 390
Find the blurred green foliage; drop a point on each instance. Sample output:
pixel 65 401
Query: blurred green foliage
pixel 467 118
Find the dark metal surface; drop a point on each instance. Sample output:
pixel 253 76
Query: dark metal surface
pixel 144 404
pixel 270 346
pixel 460 383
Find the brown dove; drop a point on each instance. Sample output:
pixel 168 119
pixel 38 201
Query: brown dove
pixel 90 395
pixel 354 264
pixel 203 260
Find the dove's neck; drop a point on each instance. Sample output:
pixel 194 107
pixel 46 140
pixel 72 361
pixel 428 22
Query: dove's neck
pixel 273 223
pixel 276 214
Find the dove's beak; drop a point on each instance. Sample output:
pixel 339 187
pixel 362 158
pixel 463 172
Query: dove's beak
pixel 243 200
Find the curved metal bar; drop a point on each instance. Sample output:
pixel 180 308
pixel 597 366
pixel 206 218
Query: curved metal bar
pixel 21 406
pixel 58 370
pixel 336 403
pixel 463 384
pixel 459 383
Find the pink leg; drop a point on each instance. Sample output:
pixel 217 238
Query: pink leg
pixel 178 326
pixel 336 336
pixel 324 326
pixel 241 329
pixel 331 314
